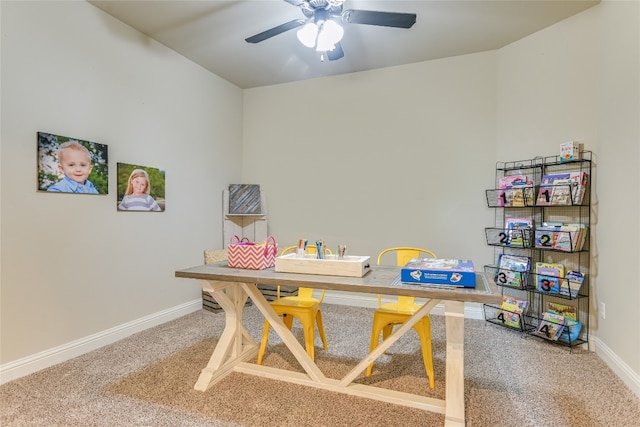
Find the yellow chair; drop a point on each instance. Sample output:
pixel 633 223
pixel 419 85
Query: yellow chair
pixel 303 307
pixel 395 313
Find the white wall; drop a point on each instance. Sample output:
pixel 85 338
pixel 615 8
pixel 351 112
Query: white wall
pixel 580 80
pixel 403 155
pixel 618 251
pixel 393 157
pixel 72 266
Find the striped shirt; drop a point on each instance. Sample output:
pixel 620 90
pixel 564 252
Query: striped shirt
pixel 138 203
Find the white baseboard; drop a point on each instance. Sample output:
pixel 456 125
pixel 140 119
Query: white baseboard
pixel 621 369
pixel 44 359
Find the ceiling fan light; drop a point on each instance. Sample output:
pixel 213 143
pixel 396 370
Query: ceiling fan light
pixel 325 47
pixel 330 34
pixel 333 31
pixel 308 34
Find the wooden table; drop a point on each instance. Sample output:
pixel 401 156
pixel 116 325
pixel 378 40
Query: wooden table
pixel 231 287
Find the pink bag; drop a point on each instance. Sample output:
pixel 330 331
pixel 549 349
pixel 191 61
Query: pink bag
pixel 250 255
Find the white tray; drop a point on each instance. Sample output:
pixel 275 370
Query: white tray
pixel 349 265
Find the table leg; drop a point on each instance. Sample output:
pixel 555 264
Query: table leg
pixel 235 344
pixel 313 377
pixel 284 333
pixel 386 343
pixel 236 347
pixel 454 381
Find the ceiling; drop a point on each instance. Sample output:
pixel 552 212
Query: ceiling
pixel 212 33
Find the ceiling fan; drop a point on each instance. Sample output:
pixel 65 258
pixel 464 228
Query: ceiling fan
pixel 322 30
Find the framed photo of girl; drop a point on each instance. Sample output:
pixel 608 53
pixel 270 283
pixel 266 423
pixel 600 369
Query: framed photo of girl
pixel 140 188
pixel 71 165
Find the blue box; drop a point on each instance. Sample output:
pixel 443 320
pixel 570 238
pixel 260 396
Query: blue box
pixel 434 271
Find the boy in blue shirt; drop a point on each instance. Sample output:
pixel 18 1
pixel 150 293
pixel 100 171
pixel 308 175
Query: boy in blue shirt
pixel 74 160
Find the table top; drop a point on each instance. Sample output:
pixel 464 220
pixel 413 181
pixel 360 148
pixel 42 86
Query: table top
pixel 379 280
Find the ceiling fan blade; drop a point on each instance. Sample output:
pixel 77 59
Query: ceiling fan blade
pixel 336 53
pixel 383 19
pixel 275 31
pixel 295 2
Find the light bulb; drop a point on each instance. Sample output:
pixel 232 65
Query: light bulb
pixel 330 34
pixel 324 47
pixel 308 34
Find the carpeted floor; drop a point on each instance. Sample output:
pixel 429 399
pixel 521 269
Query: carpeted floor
pixel 147 380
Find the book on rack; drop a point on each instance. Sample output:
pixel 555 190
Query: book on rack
pixel 550 326
pixel 561 192
pixel 544 195
pixel 545 235
pixel 511 310
pixel 571 330
pixel 559 236
pixel 552 178
pixel 521 194
pixel 582 236
pixel 514 189
pixel 507 181
pixel 568 311
pixel 513 270
pixel 571 284
pixel 572 326
pixel 548 276
pixel 568 237
pixel 547 184
pixel 518 231
pixel 579 189
pixel 562 189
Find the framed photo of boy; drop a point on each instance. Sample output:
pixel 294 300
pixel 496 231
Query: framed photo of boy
pixel 71 165
pixel 140 188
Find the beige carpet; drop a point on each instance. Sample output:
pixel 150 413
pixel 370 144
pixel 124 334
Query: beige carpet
pixel 147 380
pixel 253 401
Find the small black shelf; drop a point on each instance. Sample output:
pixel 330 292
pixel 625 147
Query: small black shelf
pixel 528 324
pixel 505 318
pixel 515 197
pixel 527 197
pixel 536 162
pixel 543 240
pixel 519 238
pixel 540 162
pixel 528 281
pixel 532 326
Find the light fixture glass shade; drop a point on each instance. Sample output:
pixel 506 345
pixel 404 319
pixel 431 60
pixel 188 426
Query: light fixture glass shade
pixel 330 34
pixel 324 46
pixel 308 34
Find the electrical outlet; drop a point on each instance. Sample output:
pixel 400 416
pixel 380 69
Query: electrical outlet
pixel 602 311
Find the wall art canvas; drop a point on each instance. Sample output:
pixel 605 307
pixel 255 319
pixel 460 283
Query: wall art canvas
pixel 244 199
pixel 71 165
pixel 140 188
